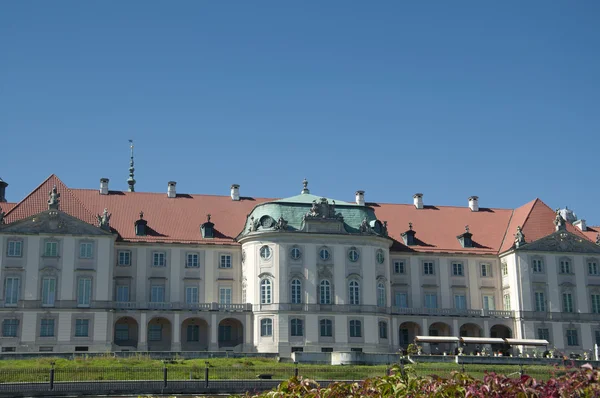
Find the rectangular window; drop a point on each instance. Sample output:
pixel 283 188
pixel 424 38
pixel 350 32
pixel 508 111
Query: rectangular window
pixel 538 266
pixel 15 248
pixel 507 302
pixel 225 295
pixel 460 302
pixel 596 303
pixel 488 303
pixel 82 327
pixel 224 332
pixel 192 260
pixel 121 332
pixel 593 268
pixel 266 327
pixel 159 259
pixel 84 292
pixel 398 267
pixel 543 334
pixel 10 327
pixel 191 295
pixel 51 249
pixel 431 301
pixel 11 291
pixel 297 349
pixel 225 261
pixel 428 268
pixel 457 269
pixel 326 349
pixel 326 328
pixel 486 270
pixel 297 327
pixel 124 258
pixel 355 328
pixel 193 333
pixel 401 300
pixel 567 302
pixel 572 339
pixel 86 250
pixel 383 330
pixel 540 301
pixel 47 328
pixel 48 291
pixel 565 266
pixel 157 294
pixel 155 333
pixel 123 293
pixel 504 269
pixel 404 337
pixel 597 333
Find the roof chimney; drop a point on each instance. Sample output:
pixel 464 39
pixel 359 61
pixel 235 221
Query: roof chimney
pixel 418 200
pixel 104 186
pixel 581 225
pixel 474 203
pixel 3 185
pixel 235 192
pixel 171 191
pixel 360 198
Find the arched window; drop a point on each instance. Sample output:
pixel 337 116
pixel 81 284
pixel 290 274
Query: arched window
pixel 296 291
pixel 325 292
pixel 354 292
pixel 265 291
pixel 326 328
pixel 266 327
pixel 355 328
pixel 381 294
pixel 383 330
pixel 297 327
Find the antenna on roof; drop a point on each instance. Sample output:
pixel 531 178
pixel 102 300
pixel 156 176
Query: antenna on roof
pixel 131 180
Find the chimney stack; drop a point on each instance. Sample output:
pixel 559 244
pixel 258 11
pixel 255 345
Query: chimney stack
pixel 171 190
pixel 360 198
pixel 104 186
pixel 474 203
pixel 3 185
pixel 581 225
pixel 235 192
pixel 418 200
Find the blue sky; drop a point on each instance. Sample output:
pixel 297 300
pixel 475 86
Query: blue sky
pixel 452 99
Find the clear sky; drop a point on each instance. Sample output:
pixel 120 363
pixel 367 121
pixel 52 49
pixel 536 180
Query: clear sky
pixel 499 99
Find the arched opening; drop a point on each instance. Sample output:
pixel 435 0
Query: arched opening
pixel 408 331
pixel 126 333
pixel 503 332
pixel 471 330
pixel 440 329
pixel 231 333
pixel 194 335
pixel 159 334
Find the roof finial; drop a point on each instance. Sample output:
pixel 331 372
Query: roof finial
pixel 305 185
pixel 466 228
pixel 141 214
pixel 208 217
pixel 410 226
pixel 131 180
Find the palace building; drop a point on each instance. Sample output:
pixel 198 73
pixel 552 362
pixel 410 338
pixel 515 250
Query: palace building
pixel 99 269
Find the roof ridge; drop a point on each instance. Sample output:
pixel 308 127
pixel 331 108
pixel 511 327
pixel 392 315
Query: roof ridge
pixel 178 193
pixel 535 201
pixel 506 232
pixel 32 192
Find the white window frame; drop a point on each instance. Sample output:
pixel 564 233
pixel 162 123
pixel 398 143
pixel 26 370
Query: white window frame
pixel 567 302
pixel 84 291
pixel 564 266
pixel 266 291
pixel 14 248
pixel 156 291
pixel 381 294
pixel 122 293
pixel 506 299
pixel 126 254
pixel 593 268
pixel 296 253
pixel 354 292
pixel 428 268
pixel 460 301
pixel 12 287
pixel 266 327
pixel 458 269
pixel 487 300
pixel 192 295
pixel 81 325
pixel 325 292
pixel 353 254
pixel 225 294
pixel 296 291
pixel 225 261
pixel 192 260
pixel 47 327
pixel 537 264
pixel 86 250
pixel 265 252
pixel 539 301
pixel 399 296
pixel 51 248
pixel 380 256
pixel 49 293
pixel 159 259
pixel 399 267
pixel 431 300
pixel 324 254
pixel 504 268
pixel 486 270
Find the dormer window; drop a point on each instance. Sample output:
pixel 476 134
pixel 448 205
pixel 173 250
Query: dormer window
pixel 208 228
pixel 140 225
pixel 465 238
pixel 409 236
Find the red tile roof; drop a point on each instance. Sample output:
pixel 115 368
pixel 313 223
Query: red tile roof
pixel 592 232
pixel 6 207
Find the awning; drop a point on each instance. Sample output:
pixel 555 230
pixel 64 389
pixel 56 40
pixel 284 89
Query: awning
pixel 437 339
pixel 482 340
pixel 527 342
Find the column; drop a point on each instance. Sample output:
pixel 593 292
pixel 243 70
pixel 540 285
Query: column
pixel 141 293
pixel 424 332
pixel 474 295
pixel 415 300
pixel 553 290
pixel 371 332
pixel 68 269
pixel 395 331
pixel 311 329
pixel 143 327
pixel 369 282
pixel 29 327
pixel 582 303
pixel 210 287
pixel 339 275
pixel 103 283
pixel 31 276
pixel 175 278
pixel 587 335
pixel 455 328
pixel 341 329
pixel 176 338
pixel 248 333
pixel 64 327
pixel 446 298
pixel 558 336
pixel 214 332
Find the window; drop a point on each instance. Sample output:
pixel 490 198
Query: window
pixel 565 266
pixel 296 290
pixel 124 258
pixel 355 328
pixel 593 268
pixel 225 332
pixel 326 326
pixel 572 337
pixel 48 291
pixel 431 300
pixel 399 267
pixel 191 295
pixel 121 332
pixel 326 349
pixel 10 327
pixel 457 269
pixel 507 302
pixel 11 290
pixel 567 302
pixel 192 261
pixel 295 253
pixel 353 255
pixel 543 334
pixel 297 349
pixel 488 303
pixel 82 327
pixel 15 248
pixel 154 333
pixel 225 295
pixel 381 294
pixel 51 249
pixel 597 333
pixel 324 254
pixel 47 328
pixel 84 292
pixel 504 269
pixel 9 349
pixel 354 293
pixel 538 265
pixel 159 259
pixel 460 302
pixel 157 294
pixel 324 292
pixel 380 256
pixel 123 293
pixel 404 337
pixel 265 252
pixel 297 327
pixel 383 330
pixel 193 333
pixel 225 261
pixel 265 291
pixel 540 302
pixel 428 268
pixel 401 300
pixel 486 270
pixel 86 250
pixel 266 327
pixel 596 303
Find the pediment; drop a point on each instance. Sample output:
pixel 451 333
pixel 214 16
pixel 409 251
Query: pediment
pixel 562 242
pixel 52 222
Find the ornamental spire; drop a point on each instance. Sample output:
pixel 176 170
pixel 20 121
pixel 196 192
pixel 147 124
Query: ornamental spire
pixel 305 187
pixel 131 180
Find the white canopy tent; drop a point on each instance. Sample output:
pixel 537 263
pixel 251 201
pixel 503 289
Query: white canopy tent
pixel 482 340
pixel 533 342
pixel 437 339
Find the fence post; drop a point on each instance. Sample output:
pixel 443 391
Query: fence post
pixel 165 375
pixel 52 376
pixel 521 371
pixel 296 369
pixel 206 375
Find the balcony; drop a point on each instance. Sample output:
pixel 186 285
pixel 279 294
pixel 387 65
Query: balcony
pixel 559 316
